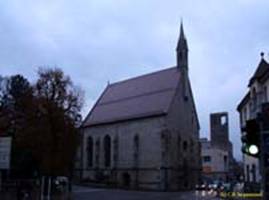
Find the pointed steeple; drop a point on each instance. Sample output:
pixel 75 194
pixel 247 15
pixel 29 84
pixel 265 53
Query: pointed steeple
pixel 182 49
pixel 182 61
pixel 182 42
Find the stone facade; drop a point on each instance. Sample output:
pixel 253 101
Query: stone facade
pixel 217 154
pixel 155 148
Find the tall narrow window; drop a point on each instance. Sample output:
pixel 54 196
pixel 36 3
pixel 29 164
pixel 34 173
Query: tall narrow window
pixel 265 93
pixel 107 150
pixel 185 145
pixel 164 148
pixel 115 151
pixel 136 149
pixel 179 145
pixel 225 162
pixel 90 152
pixel 97 152
pixel 223 120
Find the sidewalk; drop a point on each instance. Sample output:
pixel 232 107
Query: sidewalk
pixel 11 195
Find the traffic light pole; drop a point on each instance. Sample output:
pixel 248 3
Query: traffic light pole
pixel 264 150
pixel 264 164
pixel 264 161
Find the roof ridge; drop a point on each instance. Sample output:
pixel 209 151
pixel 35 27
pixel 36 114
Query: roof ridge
pixel 136 96
pixel 140 76
pixel 122 119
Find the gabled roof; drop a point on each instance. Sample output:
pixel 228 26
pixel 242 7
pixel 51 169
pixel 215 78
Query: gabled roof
pixel 261 74
pixel 262 70
pixel 243 102
pixel 143 96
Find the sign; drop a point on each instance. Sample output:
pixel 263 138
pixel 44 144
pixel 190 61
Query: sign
pixel 5 151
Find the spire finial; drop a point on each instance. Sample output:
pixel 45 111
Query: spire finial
pixel 182 41
pixel 181 29
pixel 262 55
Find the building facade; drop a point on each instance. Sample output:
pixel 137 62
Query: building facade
pixel 215 162
pixel 143 132
pixel 248 109
pixel 217 154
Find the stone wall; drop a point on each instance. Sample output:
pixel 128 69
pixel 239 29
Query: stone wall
pixel 142 172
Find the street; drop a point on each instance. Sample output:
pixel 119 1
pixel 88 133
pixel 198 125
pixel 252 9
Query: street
pixel 86 193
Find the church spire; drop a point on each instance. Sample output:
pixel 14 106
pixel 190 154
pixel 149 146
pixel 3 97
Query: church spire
pixel 182 49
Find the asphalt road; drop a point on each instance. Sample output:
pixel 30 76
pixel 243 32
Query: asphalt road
pixel 86 193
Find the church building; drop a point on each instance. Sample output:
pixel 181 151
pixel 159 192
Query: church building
pixel 143 133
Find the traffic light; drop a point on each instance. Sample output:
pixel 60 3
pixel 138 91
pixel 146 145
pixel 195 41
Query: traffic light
pixel 251 139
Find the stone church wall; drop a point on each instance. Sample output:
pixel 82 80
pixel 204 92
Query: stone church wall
pixel 183 125
pixel 145 172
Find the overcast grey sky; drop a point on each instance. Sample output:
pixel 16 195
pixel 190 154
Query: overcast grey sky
pixel 99 40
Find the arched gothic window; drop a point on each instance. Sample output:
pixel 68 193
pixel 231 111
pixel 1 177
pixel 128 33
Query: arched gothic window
pixel 97 152
pixel 136 149
pixel 90 152
pixel 107 151
pixel 185 145
pixel 115 150
pixel 165 142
